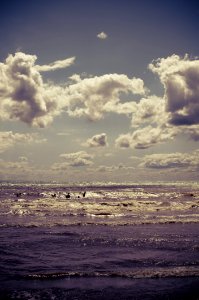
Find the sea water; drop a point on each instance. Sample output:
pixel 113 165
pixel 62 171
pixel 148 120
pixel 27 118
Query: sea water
pixel 117 241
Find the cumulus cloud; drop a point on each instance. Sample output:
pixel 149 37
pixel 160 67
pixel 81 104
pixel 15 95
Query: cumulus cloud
pixel 149 110
pixel 102 36
pixel 15 167
pixel 98 140
pixel 126 108
pixel 58 64
pixel 180 77
pixel 92 97
pixel 26 97
pixel 77 159
pixel 145 137
pixel 177 112
pixel 124 140
pixel 114 168
pixel 9 139
pixel 63 166
pixel 193 132
pixel 173 160
pixel 75 77
pixel 23 94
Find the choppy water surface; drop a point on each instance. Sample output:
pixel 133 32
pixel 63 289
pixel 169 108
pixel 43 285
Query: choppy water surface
pixel 119 241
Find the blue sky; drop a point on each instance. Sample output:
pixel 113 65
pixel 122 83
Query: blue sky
pixel 99 90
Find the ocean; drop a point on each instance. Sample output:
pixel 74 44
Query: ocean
pixel 99 241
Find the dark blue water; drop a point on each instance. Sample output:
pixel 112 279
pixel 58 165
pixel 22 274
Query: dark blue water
pixel 115 243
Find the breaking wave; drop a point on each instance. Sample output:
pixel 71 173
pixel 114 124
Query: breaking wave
pixel 137 274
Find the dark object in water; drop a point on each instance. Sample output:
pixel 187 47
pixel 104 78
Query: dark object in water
pixel 189 194
pixel 18 194
pixel 84 194
pixel 53 195
pixel 68 195
pixel 194 206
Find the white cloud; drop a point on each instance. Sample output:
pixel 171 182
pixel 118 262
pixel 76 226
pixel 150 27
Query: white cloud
pixel 15 168
pixel 26 97
pixel 92 97
pixel 124 140
pixel 23 94
pixel 68 133
pixel 75 77
pixel 9 139
pixel 192 131
pixel 114 168
pixel 58 64
pixel 98 140
pixel 180 77
pixel 145 137
pixel 77 159
pixel 149 110
pixel 102 36
pixel 177 112
pixel 173 160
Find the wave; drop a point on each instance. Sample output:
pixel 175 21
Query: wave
pixel 176 272
pixel 99 223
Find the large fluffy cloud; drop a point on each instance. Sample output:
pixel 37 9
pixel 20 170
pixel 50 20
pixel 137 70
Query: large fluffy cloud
pixel 178 110
pixel 92 97
pixel 180 77
pixel 26 97
pixel 9 139
pixel 23 94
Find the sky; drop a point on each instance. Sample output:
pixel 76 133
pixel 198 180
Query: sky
pixel 99 91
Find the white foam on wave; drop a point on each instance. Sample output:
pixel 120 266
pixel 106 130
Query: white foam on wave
pixel 141 273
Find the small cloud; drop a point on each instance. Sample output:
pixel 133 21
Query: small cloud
pixel 192 131
pixel 133 157
pixel 9 139
pixel 114 168
pixel 109 154
pixel 23 159
pixel 66 133
pixel 63 133
pixel 98 140
pixel 146 137
pixel 75 77
pixel 77 159
pixel 58 64
pixel 15 166
pixel 123 141
pixel 102 36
